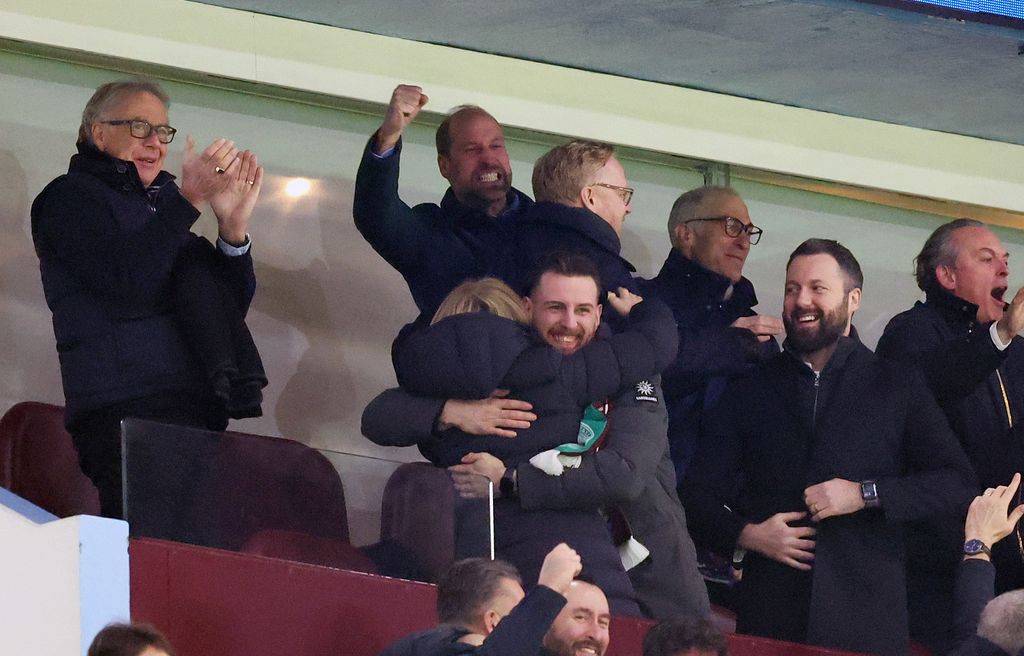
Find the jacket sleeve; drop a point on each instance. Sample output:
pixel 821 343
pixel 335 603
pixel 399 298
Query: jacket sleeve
pixel 708 492
pixel 939 480
pixel 607 367
pixel 396 418
pixel 715 351
pixel 385 221
pixel 74 224
pixel 240 276
pixel 522 631
pixel 953 368
pixel 617 473
pixel 975 586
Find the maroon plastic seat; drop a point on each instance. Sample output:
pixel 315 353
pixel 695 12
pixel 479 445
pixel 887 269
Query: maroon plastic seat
pixel 220 489
pixel 38 461
pixel 418 512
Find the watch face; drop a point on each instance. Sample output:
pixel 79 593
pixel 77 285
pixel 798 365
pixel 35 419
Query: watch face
pixel 974 547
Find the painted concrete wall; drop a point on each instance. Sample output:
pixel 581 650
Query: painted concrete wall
pixel 63 580
pixel 327 306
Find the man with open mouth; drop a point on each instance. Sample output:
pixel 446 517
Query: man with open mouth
pixel 963 337
pixel 438 246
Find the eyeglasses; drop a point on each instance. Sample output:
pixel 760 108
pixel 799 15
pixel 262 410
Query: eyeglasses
pixel 734 227
pixel 625 193
pixel 141 129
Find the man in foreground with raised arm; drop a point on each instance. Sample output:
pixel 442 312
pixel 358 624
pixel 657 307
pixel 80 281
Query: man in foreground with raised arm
pixel 482 609
pixel 835 450
pixel 436 247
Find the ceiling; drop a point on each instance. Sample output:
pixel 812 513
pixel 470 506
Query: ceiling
pixel 836 56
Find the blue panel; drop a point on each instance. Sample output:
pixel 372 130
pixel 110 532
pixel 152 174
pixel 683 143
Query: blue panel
pixel 1012 8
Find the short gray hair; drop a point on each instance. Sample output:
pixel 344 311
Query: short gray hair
pixel 110 95
pixel 1002 621
pixel 688 204
pixel 939 250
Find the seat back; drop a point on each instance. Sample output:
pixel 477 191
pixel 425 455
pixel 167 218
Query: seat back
pixel 39 462
pixel 418 512
pixel 219 489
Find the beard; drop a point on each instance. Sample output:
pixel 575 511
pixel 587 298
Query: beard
pixel 830 327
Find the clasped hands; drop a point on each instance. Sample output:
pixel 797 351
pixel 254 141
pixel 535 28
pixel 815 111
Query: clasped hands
pixel 777 539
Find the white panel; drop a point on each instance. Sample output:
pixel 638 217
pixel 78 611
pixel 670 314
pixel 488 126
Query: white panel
pixel 63 580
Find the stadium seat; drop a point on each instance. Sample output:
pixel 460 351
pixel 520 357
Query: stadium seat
pixel 39 463
pixel 418 513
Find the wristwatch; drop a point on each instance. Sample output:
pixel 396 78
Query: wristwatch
pixel 976 548
pixel 507 486
pixel 869 493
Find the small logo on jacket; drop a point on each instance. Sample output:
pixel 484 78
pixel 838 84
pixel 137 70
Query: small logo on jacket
pixel 645 392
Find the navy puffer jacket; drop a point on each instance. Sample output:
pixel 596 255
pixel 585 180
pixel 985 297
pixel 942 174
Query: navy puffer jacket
pixel 468 356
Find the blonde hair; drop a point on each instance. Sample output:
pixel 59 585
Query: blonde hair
pixel 561 173
pixel 488 295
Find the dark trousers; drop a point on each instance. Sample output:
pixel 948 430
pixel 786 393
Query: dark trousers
pixel 97 437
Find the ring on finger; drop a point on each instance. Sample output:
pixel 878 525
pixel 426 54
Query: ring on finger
pixel 250 182
pixel 219 170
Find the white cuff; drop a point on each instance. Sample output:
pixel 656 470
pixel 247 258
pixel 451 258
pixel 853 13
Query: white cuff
pixel 995 337
pixel 234 251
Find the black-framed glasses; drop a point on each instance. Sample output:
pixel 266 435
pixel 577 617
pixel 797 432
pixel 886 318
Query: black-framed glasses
pixel 734 227
pixel 141 129
pixel 625 193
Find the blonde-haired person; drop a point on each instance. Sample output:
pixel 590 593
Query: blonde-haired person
pixel 484 295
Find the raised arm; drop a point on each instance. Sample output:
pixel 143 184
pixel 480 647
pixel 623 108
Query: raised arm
pixel 385 221
pixel 973 357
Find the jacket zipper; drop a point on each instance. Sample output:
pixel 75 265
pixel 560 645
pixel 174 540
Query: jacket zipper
pixel 814 411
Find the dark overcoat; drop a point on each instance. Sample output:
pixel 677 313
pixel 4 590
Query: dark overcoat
pixel 968 376
pixel 711 351
pixel 785 428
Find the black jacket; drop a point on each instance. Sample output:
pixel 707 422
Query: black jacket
pixel 862 419
pixel 711 352
pixel 107 250
pixel 549 227
pixel 964 369
pixel 434 247
pixel 520 633
pixel 975 587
